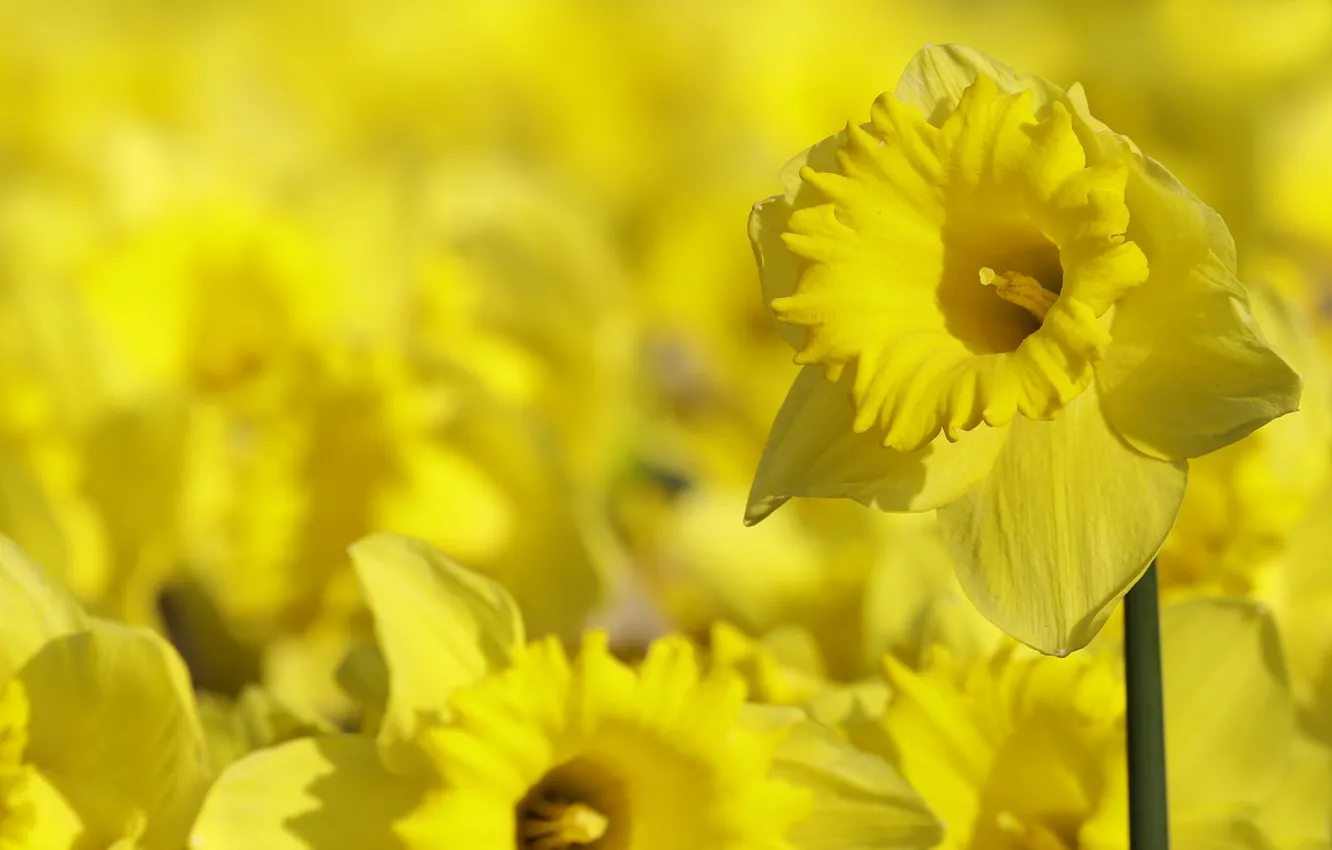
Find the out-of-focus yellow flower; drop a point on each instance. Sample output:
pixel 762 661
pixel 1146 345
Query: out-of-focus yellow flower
pixel 1294 168
pixel 447 463
pixel 100 743
pixel 856 584
pixel 709 346
pixel 249 412
pixel 783 667
pixel 1244 43
pixel 485 738
pixel 1299 588
pixel 252 721
pixel 517 285
pixel 913 602
pixel 1023 751
pixel 51 395
pixel 224 301
pixel 1299 811
pixel 989 376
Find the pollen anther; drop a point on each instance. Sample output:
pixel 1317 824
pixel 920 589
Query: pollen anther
pixel 1020 289
pixel 548 825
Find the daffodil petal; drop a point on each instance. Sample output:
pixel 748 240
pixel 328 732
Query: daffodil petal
pixel 328 793
pixel 440 627
pixel 1188 369
pixel 50 823
pixel 254 720
pixel 1106 827
pixel 34 608
pixel 813 451
pixel 779 269
pixel 1230 719
pixel 912 603
pixel 1066 521
pixel 364 675
pixel 1230 833
pixel 1298 813
pixel 937 75
pixel 860 801
pixel 114 729
pixel 934 738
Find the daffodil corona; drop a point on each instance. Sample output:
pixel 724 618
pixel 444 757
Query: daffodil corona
pixel 566 755
pixel 1006 312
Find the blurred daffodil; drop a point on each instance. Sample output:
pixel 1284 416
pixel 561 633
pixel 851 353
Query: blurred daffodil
pixel 254 720
pixel 1024 751
pixel 1298 586
pixel 495 742
pixel 1008 313
pixel 1294 169
pixel 100 742
pixel 235 359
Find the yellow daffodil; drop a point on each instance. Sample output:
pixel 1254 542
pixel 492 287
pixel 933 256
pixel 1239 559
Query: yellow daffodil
pixel 220 298
pixel 1024 751
pixel 237 358
pixel 491 742
pixel 1006 312
pixel 100 743
pixel 439 459
pixel 518 285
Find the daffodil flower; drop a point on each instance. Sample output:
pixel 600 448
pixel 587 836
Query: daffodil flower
pixel 100 743
pixel 1006 312
pixel 489 742
pixel 1027 752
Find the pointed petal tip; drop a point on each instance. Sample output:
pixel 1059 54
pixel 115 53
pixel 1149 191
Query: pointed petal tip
pixel 762 507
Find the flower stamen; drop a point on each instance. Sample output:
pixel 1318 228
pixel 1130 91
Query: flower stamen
pixel 550 825
pixel 1020 289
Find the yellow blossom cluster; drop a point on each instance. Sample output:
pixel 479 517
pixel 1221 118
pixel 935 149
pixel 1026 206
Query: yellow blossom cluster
pixel 405 443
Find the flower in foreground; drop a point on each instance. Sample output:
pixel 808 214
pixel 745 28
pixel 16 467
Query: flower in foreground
pixel 1023 751
pixel 1006 312
pixel 100 743
pixel 490 742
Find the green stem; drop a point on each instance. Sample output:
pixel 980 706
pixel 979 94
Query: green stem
pixel 1149 826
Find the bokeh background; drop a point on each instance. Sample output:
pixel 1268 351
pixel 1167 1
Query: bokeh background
pixel 274 275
